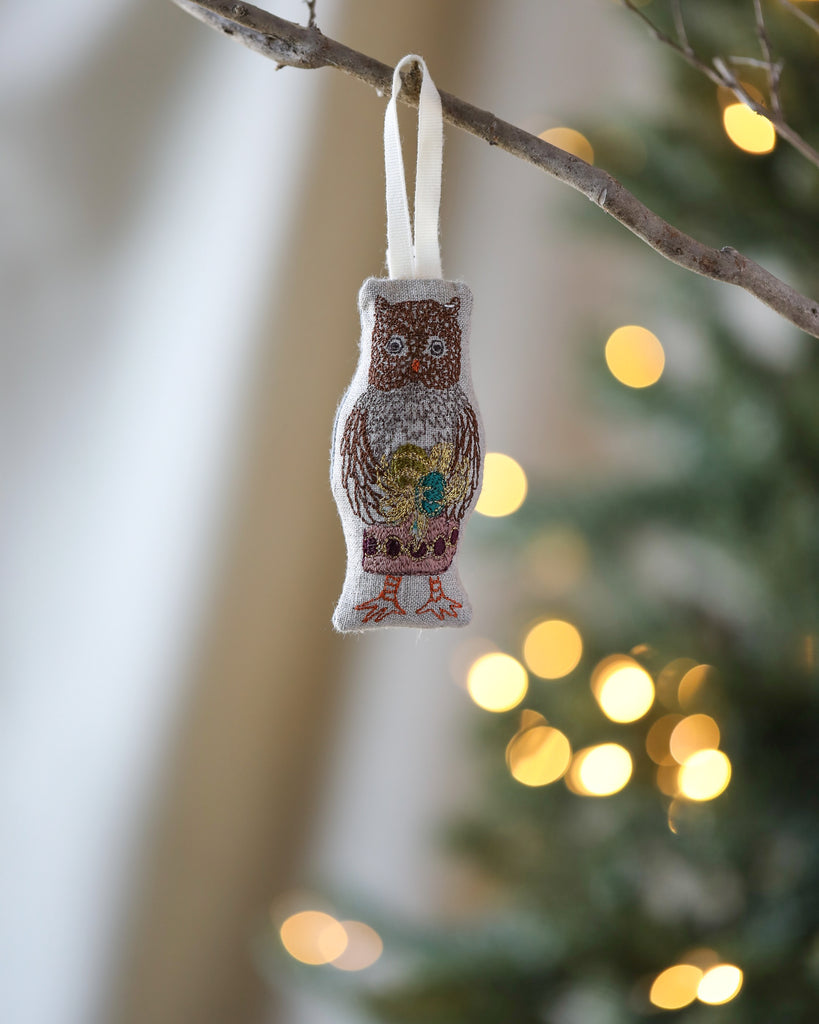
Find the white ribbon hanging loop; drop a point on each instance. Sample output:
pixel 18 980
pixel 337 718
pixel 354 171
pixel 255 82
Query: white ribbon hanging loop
pixel 419 257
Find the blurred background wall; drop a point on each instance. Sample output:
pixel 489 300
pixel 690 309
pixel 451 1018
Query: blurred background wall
pixel 184 233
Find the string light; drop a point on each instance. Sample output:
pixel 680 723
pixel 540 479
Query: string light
pixel 504 486
pixel 571 141
pixel 696 732
pixel 635 356
pixel 364 947
pixel 699 975
pixel 497 682
pixel 658 737
pixel 720 984
pixel 538 755
pixel 674 814
pixel 622 688
pixel 705 775
pixel 313 937
pixel 552 648
pixel 600 771
pixel 668 680
pixel 676 987
pixel 668 780
pixel 748 130
pixel 693 682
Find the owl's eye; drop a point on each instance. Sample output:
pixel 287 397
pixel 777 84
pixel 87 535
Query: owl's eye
pixel 396 345
pixel 436 346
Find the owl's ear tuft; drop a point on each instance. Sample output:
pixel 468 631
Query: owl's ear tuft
pixel 453 305
pixel 381 304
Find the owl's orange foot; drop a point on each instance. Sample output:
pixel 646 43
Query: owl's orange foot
pixel 439 604
pixel 378 608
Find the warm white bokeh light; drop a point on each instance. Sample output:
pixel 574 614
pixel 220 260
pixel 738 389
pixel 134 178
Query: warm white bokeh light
pixel 497 682
pixel 570 140
pixel 705 775
pixel 658 739
pixel 622 688
pixel 696 732
pixel 313 937
pixel 552 648
pixel 600 771
pixel 538 756
pixel 668 780
pixel 720 984
pixel 667 681
pixel 364 947
pixel 693 682
pixel 748 130
pixel 504 486
pixel 675 987
pixel 635 356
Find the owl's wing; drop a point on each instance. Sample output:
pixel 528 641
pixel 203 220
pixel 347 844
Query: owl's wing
pixel 359 469
pixel 468 451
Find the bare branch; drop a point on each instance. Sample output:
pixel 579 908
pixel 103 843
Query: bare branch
pixel 806 18
pixel 688 55
pixel 722 76
pixel 299 47
pixel 751 62
pixel 311 9
pixel 679 25
pixel 774 70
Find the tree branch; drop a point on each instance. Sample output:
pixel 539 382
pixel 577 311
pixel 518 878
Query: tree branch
pixel 720 75
pixel 802 15
pixel 679 25
pixel 774 69
pixel 296 46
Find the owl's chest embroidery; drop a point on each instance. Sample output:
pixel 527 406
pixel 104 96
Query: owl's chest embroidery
pixel 413 414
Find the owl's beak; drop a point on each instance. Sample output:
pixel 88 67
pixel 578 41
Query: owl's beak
pixel 416 365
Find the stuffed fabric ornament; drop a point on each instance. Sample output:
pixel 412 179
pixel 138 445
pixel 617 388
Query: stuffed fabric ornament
pixel 407 442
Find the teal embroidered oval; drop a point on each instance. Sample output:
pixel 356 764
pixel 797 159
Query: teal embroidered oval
pixel 431 489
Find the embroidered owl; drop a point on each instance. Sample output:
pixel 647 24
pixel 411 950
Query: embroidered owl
pixel 407 460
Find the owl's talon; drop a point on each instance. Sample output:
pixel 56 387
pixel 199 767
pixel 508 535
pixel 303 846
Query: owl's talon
pixel 439 604
pixel 378 608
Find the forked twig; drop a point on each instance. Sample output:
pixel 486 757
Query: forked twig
pixel 774 69
pixel 679 25
pixel 719 73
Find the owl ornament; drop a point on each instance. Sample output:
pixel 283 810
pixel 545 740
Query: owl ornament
pixel 407 446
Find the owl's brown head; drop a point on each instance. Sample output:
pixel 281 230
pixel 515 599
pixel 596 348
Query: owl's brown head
pixel 416 342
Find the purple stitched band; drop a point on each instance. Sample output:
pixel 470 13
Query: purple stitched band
pixel 392 549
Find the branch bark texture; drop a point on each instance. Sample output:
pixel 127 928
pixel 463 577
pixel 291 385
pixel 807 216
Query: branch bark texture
pixel 292 45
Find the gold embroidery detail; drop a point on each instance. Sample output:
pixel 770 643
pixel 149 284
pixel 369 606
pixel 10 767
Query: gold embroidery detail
pixel 419 484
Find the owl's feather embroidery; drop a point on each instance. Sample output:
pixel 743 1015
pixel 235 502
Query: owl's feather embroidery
pixel 359 469
pixel 468 453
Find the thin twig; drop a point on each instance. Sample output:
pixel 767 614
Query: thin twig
pixel 725 78
pixel 299 47
pixel 679 25
pixel 806 18
pixel 774 69
pixel 751 62
pixel 311 8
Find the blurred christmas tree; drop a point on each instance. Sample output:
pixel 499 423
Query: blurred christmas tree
pixel 653 838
